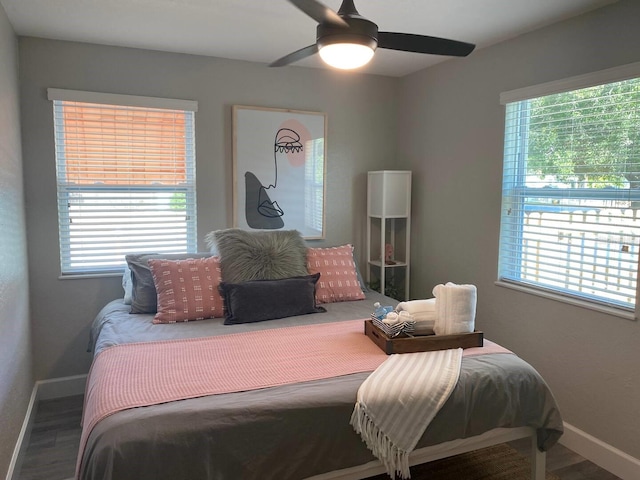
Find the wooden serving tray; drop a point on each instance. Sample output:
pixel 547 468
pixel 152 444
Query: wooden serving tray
pixel 420 343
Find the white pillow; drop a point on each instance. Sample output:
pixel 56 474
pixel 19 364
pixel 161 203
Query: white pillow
pixel 127 285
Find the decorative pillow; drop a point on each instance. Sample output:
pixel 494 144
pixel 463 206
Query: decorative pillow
pixel 361 281
pixel 187 289
pixel 143 291
pixel 259 300
pixel 127 286
pixel 338 277
pixel 259 255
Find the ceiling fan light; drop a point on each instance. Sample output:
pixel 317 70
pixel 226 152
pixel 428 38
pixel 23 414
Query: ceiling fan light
pixel 346 56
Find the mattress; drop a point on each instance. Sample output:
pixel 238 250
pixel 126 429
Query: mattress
pixel 291 431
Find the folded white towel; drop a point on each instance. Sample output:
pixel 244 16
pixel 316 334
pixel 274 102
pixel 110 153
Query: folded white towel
pixel 418 306
pixel 425 317
pixel 456 308
pixel 423 312
pixel 424 327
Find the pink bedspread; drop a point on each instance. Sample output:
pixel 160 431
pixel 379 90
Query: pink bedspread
pixel 144 374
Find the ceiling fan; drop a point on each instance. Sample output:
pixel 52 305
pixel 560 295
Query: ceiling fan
pixel 348 40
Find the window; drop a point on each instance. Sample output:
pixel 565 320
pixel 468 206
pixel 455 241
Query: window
pixel 125 176
pixel 570 221
pixel 314 185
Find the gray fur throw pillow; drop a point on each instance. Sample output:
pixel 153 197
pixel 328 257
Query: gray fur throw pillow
pixel 260 255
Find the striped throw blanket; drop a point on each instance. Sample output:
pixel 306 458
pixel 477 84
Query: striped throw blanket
pixel 396 403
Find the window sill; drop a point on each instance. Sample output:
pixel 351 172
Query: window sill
pixel 81 276
pixel 571 301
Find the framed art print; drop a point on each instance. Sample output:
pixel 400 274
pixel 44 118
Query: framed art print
pixel 279 170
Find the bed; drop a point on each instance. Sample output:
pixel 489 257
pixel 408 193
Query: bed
pixel 299 431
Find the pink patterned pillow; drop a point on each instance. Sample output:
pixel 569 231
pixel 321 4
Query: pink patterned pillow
pixel 338 278
pixel 187 289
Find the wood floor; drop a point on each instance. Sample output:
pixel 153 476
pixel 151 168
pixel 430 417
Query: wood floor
pixel 55 437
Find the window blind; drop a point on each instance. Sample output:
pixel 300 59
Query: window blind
pixel 126 183
pixel 314 185
pixel 570 220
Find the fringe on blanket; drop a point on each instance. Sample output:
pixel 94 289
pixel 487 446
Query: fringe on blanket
pixel 395 460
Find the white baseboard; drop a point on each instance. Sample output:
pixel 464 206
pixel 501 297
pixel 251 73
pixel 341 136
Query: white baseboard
pixel 23 438
pixel 42 390
pixel 61 387
pixel 610 458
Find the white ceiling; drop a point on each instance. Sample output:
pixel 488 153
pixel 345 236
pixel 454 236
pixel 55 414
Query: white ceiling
pixel 265 30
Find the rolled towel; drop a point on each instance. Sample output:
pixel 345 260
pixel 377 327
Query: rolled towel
pixel 456 308
pixel 423 312
pixel 391 319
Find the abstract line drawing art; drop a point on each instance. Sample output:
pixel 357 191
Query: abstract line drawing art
pixel 260 211
pixel 279 170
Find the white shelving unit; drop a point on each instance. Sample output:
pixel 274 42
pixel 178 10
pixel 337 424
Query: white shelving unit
pixel 389 223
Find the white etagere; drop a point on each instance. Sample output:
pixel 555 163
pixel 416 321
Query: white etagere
pixel 389 223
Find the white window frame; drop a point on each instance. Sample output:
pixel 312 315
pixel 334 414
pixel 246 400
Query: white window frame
pixel 66 190
pixel 509 99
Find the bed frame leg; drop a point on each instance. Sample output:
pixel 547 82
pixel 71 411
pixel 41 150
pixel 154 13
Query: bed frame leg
pixel 538 460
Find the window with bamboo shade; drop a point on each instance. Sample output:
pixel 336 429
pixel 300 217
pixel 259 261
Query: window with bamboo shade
pixel 126 182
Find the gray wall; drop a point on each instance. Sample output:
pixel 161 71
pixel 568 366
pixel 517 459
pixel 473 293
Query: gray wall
pixel 361 136
pixel 16 380
pixel 451 128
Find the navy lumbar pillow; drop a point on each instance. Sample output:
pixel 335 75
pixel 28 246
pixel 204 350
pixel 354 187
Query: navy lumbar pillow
pixel 259 300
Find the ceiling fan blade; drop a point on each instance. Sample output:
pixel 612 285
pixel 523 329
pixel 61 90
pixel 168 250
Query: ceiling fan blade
pixel 295 56
pixel 408 42
pixel 319 12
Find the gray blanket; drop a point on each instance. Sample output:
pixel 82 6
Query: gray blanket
pixel 292 431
